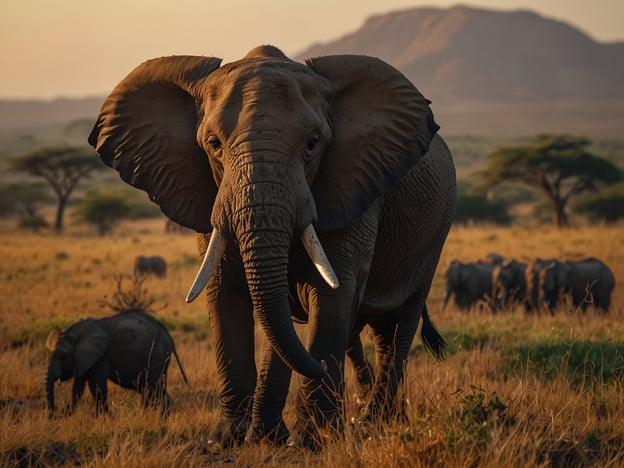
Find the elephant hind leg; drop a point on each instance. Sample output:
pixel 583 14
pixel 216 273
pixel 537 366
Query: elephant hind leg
pixel 393 334
pixel 155 395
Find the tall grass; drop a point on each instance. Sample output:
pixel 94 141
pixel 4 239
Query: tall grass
pixel 515 390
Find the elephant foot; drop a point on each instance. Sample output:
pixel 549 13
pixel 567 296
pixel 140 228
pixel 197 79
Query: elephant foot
pixel 310 436
pixel 228 433
pixel 276 434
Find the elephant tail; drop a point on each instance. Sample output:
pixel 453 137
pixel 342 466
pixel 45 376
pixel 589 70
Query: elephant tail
pixel 431 337
pixel 175 353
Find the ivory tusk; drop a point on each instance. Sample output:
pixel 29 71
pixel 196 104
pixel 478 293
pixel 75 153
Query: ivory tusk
pixel 319 258
pixel 215 250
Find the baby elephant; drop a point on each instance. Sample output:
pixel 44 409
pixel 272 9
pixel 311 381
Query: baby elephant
pixel 131 348
pixel 150 265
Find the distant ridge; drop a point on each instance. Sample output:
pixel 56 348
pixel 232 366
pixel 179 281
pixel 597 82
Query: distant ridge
pixel 465 55
pixel 25 113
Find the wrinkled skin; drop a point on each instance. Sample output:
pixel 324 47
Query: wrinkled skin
pixel 253 153
pixel 131 349
pixel 150 265
pixel 585 282
pixel 509 282
pixel 469 284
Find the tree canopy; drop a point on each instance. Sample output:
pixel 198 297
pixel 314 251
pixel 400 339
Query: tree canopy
pixel 557 165
pixel 104 210
pixel 62 168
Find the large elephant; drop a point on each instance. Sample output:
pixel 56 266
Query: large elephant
pixel 131 348
pixel 469 284
pixel 509 283
pixel 150 265
pixel 586 282
pixel 319 191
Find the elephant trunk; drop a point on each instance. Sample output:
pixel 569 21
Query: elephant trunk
pixel 264 251
pixel 50 379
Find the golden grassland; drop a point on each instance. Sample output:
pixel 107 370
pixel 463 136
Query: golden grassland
pixel 515 390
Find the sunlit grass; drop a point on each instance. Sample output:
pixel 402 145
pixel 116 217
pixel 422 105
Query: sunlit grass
pixel 515 390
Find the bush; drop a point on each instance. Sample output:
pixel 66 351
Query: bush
pixel 103 209
pixel 607 205
pixel 478 209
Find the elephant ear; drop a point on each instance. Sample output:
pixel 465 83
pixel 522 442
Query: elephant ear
pixel 52 339
pixel 146 130
pixel 90 345
pixel 382 126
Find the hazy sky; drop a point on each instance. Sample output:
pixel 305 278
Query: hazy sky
pixel 52 48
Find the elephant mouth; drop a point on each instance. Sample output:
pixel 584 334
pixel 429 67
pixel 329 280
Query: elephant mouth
pixel 218 243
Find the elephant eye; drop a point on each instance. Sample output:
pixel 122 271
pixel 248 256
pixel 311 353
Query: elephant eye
pixel 214 143
pixel 312 143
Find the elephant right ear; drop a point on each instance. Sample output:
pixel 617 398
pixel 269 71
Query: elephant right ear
pixel 91 344
pixel 146 130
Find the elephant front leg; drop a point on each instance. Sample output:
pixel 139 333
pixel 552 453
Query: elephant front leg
pixel 269 400
pixel 232 329
pixel 320 404
pixel 78 387
pixel 363 369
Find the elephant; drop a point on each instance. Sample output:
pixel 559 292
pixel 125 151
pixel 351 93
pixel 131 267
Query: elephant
pixel 148 265
pixel 587 281
pixel 494 258
pixel 509 283
pixel 469 283
pixel 321 192
pixel 130 348
pixel 534 299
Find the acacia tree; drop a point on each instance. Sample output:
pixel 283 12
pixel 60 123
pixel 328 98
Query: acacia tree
pixel 104 210
pixel 559 166
pixel 62 168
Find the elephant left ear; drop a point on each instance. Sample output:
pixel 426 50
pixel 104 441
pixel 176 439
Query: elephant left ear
pixel 382 126
pixel 91 344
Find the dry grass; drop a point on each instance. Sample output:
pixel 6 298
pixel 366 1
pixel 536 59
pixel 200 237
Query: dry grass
pixel 480 407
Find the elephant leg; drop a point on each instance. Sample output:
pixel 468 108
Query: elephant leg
pixel 320 401
pixel 99 390
pixel 78 387
pixel 269 400
pixel 232 327
pixel 393 335
pixel 364 371
pixel 156 395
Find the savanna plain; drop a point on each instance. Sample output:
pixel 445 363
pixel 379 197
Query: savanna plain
pixel 514 390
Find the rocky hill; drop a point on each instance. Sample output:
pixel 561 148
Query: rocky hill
pixel 463 55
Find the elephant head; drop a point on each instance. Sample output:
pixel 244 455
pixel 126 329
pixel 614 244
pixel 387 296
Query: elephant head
pixel 261 152
pixel 555 280
pixel 72 353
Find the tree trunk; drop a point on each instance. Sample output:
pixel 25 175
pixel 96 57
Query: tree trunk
pixel 58 225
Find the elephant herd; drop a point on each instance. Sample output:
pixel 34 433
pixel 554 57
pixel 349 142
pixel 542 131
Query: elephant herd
pixel 497 284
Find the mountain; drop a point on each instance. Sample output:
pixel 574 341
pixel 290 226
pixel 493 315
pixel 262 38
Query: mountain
pixel 462 55
pixel 487 72
pixel 25 113
pixel 490 71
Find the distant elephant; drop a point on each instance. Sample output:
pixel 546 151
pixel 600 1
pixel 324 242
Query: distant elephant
pixel 319 191
pixel 494 259
pixel 131 348
pixel 586 282
pixel 150 265
pixel 535 301
pixel 509 283
pixel 469 284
